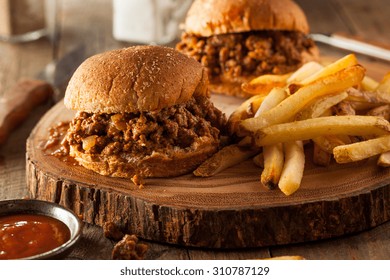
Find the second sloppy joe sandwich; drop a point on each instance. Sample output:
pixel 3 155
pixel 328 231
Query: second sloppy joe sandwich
pixel 143 112
pixel 238 40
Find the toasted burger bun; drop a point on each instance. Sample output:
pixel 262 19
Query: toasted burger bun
pixel 211 17
pixel 116 89
pixel 143 78
pixel 219 19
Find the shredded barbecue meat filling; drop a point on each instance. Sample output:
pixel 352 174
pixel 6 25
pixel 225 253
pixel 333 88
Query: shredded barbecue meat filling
pixel 177 127
pixel 247 54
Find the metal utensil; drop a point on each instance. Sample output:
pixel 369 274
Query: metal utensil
pixel 59 71
pixel 352 45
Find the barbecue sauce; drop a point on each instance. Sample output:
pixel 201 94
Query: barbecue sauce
pixel 26 235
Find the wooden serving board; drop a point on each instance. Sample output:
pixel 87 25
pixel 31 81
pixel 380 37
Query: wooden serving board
pixel 229 210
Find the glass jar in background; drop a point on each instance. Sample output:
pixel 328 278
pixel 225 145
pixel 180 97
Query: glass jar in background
pixel 148 21
pixel 26 20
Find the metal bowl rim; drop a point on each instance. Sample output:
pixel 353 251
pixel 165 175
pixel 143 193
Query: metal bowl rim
pixel 37 208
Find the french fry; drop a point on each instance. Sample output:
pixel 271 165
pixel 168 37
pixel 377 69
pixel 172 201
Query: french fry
pixel 285 258
pixel 288 108
pixel 293 168
pixel 380 111
pixel 342 63
pixel 384 85
pixel 369 84
pixel 263 84
pixel 223 159
pixel 275 96
pixel 312 128
pixel 305 71
pixel 362 150
pixel 320 106
pixel 328 142
pixel 271 100
pixel 273 156
pixel 383 88
pixel 384 159
pixel 246 110
pixel 321 157
pixel 273 164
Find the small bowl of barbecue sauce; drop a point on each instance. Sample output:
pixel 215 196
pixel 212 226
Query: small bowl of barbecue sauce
pixel 36 229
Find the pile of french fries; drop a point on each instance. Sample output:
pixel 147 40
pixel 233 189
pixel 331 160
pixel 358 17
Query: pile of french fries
pixel 340 111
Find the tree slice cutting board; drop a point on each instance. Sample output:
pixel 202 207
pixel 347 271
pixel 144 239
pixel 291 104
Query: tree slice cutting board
pixel 229 210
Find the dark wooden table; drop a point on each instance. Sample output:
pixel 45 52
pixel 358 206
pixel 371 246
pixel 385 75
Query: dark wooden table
pixel 79 23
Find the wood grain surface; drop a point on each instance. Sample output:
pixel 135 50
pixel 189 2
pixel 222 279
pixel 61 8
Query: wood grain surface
pixel 78 23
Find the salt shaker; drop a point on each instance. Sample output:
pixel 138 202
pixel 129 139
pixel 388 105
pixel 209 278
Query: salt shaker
pixel 148 21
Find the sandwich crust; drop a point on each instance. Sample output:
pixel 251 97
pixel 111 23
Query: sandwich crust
pixel 140 78
pixel 211 17
pixel 142 111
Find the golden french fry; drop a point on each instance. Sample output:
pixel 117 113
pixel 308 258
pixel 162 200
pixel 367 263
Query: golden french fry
pixel 246 110
pixel 328 142
pixel 285 258
pixel 223 159
pixel 383 89
pixel 380 111
pixel 263 84
pixel 384 159
pixel 288 108
pixel 305 71
pixel 271 100
pixel 369 84
pixel 275 96
pixel 312 128
pixel 273 164
pixel 321 157
pixel 362 150
pixel 320 106
pixel 294 164
pixel 384 85
pixel 342 63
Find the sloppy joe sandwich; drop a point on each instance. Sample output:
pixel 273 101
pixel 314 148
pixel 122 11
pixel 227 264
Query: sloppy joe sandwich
pixel 142 112
pixel 237 40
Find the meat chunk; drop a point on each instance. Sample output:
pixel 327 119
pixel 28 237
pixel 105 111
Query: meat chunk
pixel 143 133
pixel 247 54
pixel 129 249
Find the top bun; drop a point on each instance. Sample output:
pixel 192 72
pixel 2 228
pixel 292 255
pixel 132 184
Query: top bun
pixel 212 17
pixel 140 78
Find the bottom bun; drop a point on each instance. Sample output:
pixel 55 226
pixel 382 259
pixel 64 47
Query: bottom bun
pixel 177 162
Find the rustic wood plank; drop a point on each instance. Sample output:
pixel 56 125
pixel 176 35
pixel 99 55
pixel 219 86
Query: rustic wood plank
pixel 92 245
pixel 249 254
pixel 368 245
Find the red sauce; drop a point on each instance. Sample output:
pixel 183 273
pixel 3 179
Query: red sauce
pixel 26 235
